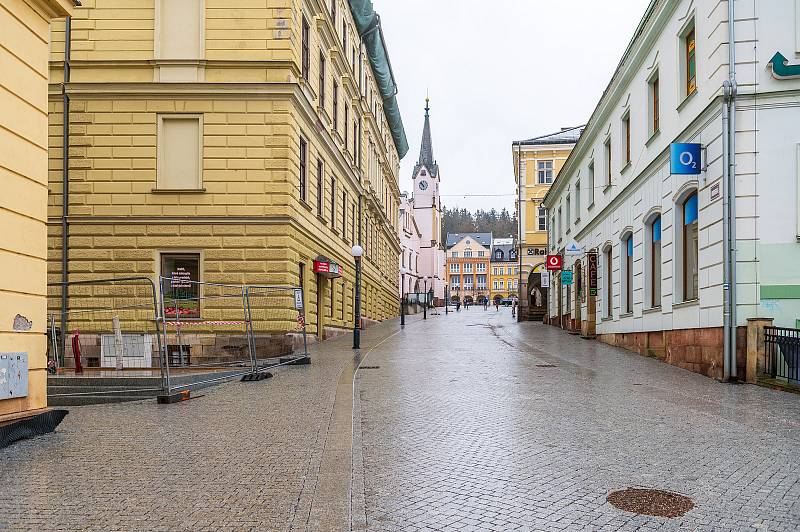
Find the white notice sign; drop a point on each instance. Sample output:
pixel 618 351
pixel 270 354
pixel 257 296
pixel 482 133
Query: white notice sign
pixel 298 299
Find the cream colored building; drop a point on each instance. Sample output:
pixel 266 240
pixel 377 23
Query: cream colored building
pixel 538 161
pixel 243 138
pixel 24 36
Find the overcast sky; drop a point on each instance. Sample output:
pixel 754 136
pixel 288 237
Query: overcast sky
pixel 498 71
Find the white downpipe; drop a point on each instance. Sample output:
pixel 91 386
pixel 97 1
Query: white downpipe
pixel 730 91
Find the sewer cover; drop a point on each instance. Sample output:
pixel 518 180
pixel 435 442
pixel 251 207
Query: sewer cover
pixel 658 503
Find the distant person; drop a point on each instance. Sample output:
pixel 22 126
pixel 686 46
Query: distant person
pixel 458 306
pixel 497 304
pixel 485 303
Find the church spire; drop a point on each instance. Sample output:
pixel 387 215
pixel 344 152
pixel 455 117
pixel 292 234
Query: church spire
pixel 426 150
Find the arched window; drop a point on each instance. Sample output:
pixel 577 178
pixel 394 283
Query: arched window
pixel 689 247
pixel 498 255
pixel 654 230
pixel 608 282
pixel 626 261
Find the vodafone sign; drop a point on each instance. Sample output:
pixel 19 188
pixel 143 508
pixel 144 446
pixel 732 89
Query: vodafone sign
pixel 554 262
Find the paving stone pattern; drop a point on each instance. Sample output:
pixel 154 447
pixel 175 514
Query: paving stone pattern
pixel 468 421
pixel 464 427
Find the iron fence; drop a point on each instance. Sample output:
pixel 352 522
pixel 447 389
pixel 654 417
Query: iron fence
pixel 782 348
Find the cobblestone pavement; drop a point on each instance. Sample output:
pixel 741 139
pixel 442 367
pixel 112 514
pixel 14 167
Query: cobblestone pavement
pixel 474 422
pixel 261 456
pixel 468 421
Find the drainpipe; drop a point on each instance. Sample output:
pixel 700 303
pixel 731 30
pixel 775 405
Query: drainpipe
pixel 65 184
pixel 729 89
pixel 520 194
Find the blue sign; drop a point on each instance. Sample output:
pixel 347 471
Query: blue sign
pixel 566 278
pixel 685 159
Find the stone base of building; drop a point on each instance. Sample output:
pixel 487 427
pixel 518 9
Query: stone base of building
pixel 697 350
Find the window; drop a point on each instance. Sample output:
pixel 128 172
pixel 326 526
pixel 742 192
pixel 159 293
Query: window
pixel 180 153
pixel 627 271
pixel 545 172
pixel 344 214
pixel 454 254
pixel 321 79
pixel 468 254
pixel 344 35
pixel 569 212
pixel 690 248
pixel 481 267
pixel 502 283
pixel 609 283
pixel 560 225
pixel 320 187
pixel 180 29
pixel 333 12
pixel 454 268
pixel 578 200
pixel 305 50
pixel 690 66
pixel 182 294
pixel 353 227
pixel 501 271
pixel 335 94
pixel 591 183
pixel 333 202
pixel 523 168
pixel 498 254
pixel 468 267
pixel 480 254
pixel 346 120
pixel 654 104
pixel 608 162
pixel 303 175
pixel 494 285
pixel 655 262
pixel 626 136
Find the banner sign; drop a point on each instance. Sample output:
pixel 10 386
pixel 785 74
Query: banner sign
pixel 327 269
pixel 566 277
pixel 685 159
pixel 591 259
pixel 554 262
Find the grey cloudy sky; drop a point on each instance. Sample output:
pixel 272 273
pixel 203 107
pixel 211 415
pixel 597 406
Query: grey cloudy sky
pixel 498 71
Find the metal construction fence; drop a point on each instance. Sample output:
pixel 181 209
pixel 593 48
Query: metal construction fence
pixel 177 327
pixel 782 347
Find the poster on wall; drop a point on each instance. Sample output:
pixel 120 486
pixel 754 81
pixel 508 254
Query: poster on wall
pixel 181 285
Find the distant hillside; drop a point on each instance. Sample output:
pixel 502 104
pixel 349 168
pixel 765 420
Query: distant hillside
pixel 500 224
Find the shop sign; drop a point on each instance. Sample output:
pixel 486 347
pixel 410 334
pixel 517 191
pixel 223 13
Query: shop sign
pixel 554 262
pixel 566 277
pixel 545 279
pixel 327 269
pixel 685 159
pixel 533 252
pixel 573 249
pixel 591 260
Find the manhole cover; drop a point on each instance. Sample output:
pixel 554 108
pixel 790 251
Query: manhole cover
pixel 657 503
pixel 546 366
pixel 370 367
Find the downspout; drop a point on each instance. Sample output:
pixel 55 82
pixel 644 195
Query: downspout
pixel 65 184
pixel 730 89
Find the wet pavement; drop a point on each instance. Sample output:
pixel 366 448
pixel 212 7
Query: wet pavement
pixel 468 421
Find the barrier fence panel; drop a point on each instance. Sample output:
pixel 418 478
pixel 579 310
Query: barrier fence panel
pixel 277 323
pixel 108 324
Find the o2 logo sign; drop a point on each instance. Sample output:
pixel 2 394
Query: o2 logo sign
pixel 685 159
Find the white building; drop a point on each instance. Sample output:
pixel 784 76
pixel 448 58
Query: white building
pixel 660 238
pixel 410 237
pixel 427 209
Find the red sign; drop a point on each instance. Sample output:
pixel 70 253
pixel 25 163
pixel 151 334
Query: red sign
pixel 327 269
pixel 554 262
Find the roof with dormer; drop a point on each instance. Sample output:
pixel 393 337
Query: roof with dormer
pixel 484 239
pixel 426 149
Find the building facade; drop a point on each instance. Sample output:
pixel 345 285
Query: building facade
pixel 537 162
pixel 468 266
pixel 237 143
pixel 504 270
pixel 410 241
pixel 23 203
pixel 427 205
pixel 660 239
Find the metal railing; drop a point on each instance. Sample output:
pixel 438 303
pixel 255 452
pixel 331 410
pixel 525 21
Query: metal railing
pixel 782 348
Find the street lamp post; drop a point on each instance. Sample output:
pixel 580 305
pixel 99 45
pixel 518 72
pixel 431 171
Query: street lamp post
pixel 446 298
pixel 357 252
pixel 425 305
pixel 403 272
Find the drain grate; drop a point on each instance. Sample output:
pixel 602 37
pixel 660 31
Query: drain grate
pixel 370 367
pixel 546 366
pixel 658 503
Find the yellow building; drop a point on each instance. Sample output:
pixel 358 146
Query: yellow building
pixel 467 266
pixel 237 142
pixel 504 270
pixel 24 35
pixel 538 161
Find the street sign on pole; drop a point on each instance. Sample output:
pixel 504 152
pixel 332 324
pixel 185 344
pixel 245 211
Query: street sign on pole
pixel 685 159
pixel 554 262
